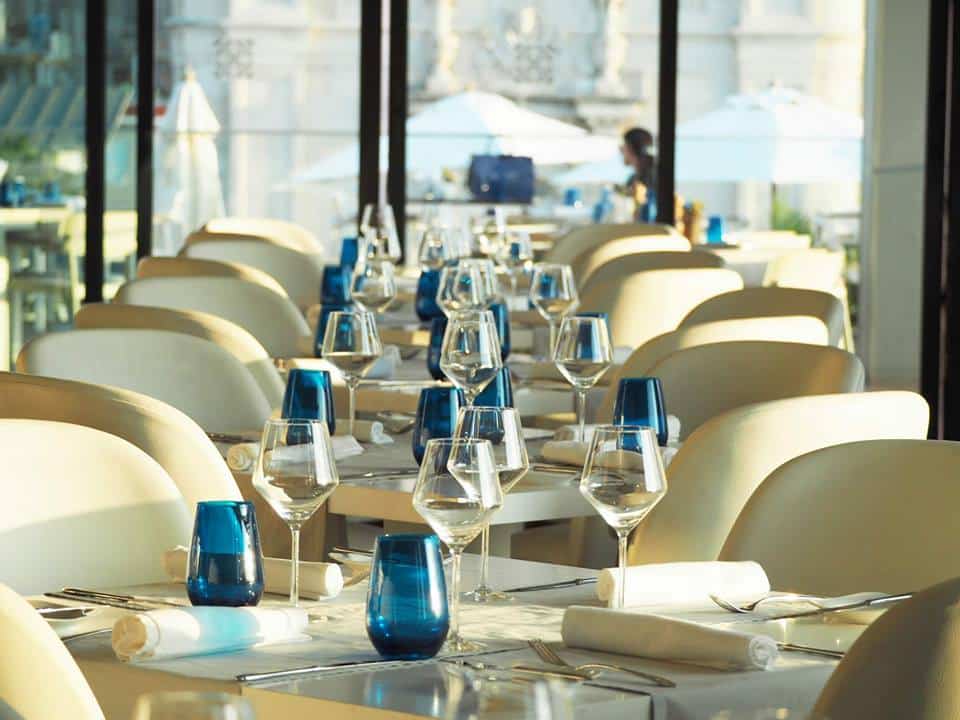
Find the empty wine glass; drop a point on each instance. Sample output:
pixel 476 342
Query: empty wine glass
pixel 374 285
pixel 352 343
pixel 488 277
pixel 461 289
pixel 295 473
pixel 456 493
pixel 436 248
pixel 501 426
pixel 492 231
pixel 379 229
pixel 623 478
pixel 193 705
pixel 582 355
pixel 516 255
pixel 553 292
pixel 470 355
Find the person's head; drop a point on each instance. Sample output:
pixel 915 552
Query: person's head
pixel 636 146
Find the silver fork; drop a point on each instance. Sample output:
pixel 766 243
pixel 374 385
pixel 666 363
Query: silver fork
pixel 549 656
pixel 750 607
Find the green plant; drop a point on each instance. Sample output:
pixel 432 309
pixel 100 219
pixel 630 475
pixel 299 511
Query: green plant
pixel 785 217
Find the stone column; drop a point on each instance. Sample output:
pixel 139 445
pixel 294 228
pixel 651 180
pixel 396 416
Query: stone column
pixel 442 79
pixel 612 50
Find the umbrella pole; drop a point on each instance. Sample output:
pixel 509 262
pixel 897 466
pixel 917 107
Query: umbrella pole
pixel 773 205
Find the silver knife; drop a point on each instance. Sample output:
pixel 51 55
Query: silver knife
pixel 310 669
pixel 118 597
pixel 883 600
pixel 554 585
pixel 100 601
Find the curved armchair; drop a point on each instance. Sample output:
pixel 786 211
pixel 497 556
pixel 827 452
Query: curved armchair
pixel 149 267
pixel 587 237
pixel 281 232
pixel 590 260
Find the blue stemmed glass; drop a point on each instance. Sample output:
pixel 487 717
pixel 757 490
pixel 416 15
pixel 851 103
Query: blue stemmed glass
pixel 309 396
pixel 427 287
pixel 501 317
pixel 499 393
pixel 640 402
pixel 438 326
pixel 407 614
pixel 325 312
pixel 349 252
pixel 335 287
pixel 225 566
pixel 436 417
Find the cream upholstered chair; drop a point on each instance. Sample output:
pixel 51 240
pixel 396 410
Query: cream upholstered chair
pixel 720 465
pixel 773 302
pixel 813 269
pixel 300 274
pixel 194 375
pixel 617 265
pixel 195 267
pixel 282 232
pixel 800 329
pixel 586 237
pixel 273 320
pixel 905 665
pixel 164 433
pixel 232 338
pixel 584 264
pixel 642 305
pixel 769 239
pixel 76 497
pixel 39 680
pixel 883 511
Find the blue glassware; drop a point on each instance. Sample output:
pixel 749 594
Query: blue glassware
pixel 325 311
pixel 309 396
pixel 349 252
pixel 547 285
pixel 602 315
pixel 225 566
pixel 437 411
pixel 438 326
pixel 335 287
pixel 427 287
pixel 501 317
pixel 499 392
pixel 715 229
pixel 640 402
pixel 407 615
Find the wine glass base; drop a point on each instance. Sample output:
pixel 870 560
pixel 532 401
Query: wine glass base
pixel 486 595
pixel 458 645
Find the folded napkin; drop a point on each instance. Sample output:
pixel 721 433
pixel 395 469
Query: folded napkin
pixel 569 432
pixel 574 452
pixel 243 456
pixel 686 584
pixel 317 579
pixel 179 632
pixel 386 365
pixel 661 638
pixel 367 431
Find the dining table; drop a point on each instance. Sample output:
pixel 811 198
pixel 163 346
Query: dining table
pixel 336 673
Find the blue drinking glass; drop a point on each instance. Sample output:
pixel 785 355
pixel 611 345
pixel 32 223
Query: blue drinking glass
pixel 349 252
pixel 407 615
pixel 547 285
pixel 640 402
pixel 498 393
pixel 325 311
pixel 438 326
pixel 225 566
pixel 501 317
pixel 309 396
pixel 427 287
pixel 335 287
pixel 437 411
pixel 715 229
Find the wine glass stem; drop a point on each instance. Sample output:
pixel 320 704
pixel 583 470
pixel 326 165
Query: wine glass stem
pixel 622 537
pixel 454 634
pixel 295 565
pixel 553 338
pixel 581 414
pixel 351 404
pixel 484 558
pixel 513 283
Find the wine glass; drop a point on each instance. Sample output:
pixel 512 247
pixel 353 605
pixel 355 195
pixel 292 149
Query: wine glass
pixel 623 478
pixel 470 355
pixel 456 493
pixel 379 229
pixel 516 255
pixel 351 342
pixel 553 293
pixel 295 473
pixel 373 286
pixel 461 289
pixel 488 277
pixel 501 426
pixel 582 355
pixel 435 248
pixel 193 705
pixel 492 231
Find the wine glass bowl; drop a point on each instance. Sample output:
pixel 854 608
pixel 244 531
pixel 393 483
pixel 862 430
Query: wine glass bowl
pixel 374 285
pixel 352 343
pixel 378 227
pixel 582 354
pixel 470 355
pixel 553 292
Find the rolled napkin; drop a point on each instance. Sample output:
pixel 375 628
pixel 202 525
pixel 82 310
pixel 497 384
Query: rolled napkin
pixel 569 432
pixel 686 584
pixel 243 456
pixel 661 638
pixel 386 365
pixel 179 632
pixel 367 431
pixel 573 452
pixel 317 579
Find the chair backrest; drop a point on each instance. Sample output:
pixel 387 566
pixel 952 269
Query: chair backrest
pixel 874 515
pixel 769 239
pixel 273 320
pixel 194 375
pixel 176 442
pixel 83 508
pixel 195 267
pixel 231 337
pixel 282 232
pixel 587 262
pixel 704 381
pixel 583 238
pixel 801 329
pixel 772 302
pixel 642 305
pixel 904 665
pixel 720 465
pixel 299 273
pixel 31 655
pixel 812 269
pixel 620 266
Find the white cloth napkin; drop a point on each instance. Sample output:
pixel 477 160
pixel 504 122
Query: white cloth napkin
pixel 317 579
pixel 386 365
pixel 569 432
pixel 243 456
pixel 367 431
pixel 685 584
pixel 179 632
pixel 661 638
pixel 573 452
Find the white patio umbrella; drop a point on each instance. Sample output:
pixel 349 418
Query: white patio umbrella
pixel 446 133
pixel 189 190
